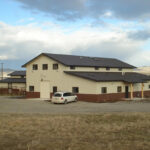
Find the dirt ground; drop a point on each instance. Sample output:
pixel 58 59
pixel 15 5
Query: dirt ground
pixel 20 105
pixel 108 131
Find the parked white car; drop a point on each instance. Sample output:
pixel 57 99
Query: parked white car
pixel 64 97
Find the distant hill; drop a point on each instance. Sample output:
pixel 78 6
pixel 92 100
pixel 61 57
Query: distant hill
pixel 8 70
pixel 143 70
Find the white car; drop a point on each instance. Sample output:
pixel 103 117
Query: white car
pixel 64 97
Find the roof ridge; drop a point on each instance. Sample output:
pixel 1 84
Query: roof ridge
pixel 79 56
pixel 85 61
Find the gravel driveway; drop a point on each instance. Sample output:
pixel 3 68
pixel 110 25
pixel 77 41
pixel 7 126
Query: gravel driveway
pixel 20 105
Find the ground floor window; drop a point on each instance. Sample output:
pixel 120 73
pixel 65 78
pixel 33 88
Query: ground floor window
pixel 119 89
pixel 31 88
pixel 104 90
pixel 54 89
pixel 75 89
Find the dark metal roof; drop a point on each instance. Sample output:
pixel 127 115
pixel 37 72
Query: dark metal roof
pixel 13 80
pixel 18 73
pixel 84 61
pixel 111 76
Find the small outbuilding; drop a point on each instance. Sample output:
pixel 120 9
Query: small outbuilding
pixel 15 84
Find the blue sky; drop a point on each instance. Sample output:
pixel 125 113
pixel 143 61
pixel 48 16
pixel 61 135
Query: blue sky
pixel 119 29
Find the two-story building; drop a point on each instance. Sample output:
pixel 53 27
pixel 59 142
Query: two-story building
pixel 91 78
pixel 15 84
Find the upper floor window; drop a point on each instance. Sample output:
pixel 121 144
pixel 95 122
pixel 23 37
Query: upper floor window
pixel 35 67
pixel 96 68
pixel 31 88
pixel 55 66
pixel 119 89
pixel 107 68
pixel 45 66
pixel 120 69
pixel 75 89
pixel 104 90
pixel 72 67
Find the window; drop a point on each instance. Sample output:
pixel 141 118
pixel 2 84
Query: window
pixel 75 90
pixel 96 68
pixel 119 89
pixel 120 69
pixel 31 88
pixel 149 86
pixel 54 89
pixel 45 67
pixel 35 67
pixel 107 68
pixel 104 90
pixel 55 66
pixel 72 67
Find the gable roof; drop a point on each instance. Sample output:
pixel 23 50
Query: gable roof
pixel 18 73
pixel 111 76
pixel 84 61
pixel 13 80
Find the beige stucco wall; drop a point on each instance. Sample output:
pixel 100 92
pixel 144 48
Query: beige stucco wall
pixel 146 86
pixel 14 85
pixel 3 85
pixel 111 86
pixel 21 86
pixel 99 70
pixel 138 86
pixel 15 77
pixel 57 78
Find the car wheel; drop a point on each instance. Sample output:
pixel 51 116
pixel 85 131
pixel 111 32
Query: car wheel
pixel 76 99
pixel 65 102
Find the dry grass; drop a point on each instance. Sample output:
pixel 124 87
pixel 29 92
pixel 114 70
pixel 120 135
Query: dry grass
pixel 125 131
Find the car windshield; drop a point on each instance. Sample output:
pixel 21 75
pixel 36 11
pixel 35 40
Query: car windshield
pixel 57 95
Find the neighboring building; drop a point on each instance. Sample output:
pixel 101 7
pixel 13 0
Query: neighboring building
pixel 15 84
pixel 143 70
pixel 91 78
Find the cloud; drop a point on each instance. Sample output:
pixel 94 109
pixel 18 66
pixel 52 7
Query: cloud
pixel 140 35
pixel 141 58
pixel 77 9
pixel 25 42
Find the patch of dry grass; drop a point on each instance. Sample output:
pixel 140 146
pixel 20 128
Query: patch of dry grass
pixel 125 131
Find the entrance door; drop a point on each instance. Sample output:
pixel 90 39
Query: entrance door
pixel 45 90
pixel 126 92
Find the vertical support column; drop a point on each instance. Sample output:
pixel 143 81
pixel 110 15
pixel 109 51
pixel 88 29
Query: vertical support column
pixel 131 89
pixel 142 89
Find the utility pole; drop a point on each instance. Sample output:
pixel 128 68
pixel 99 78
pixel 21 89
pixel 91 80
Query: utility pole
pixel 2 71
